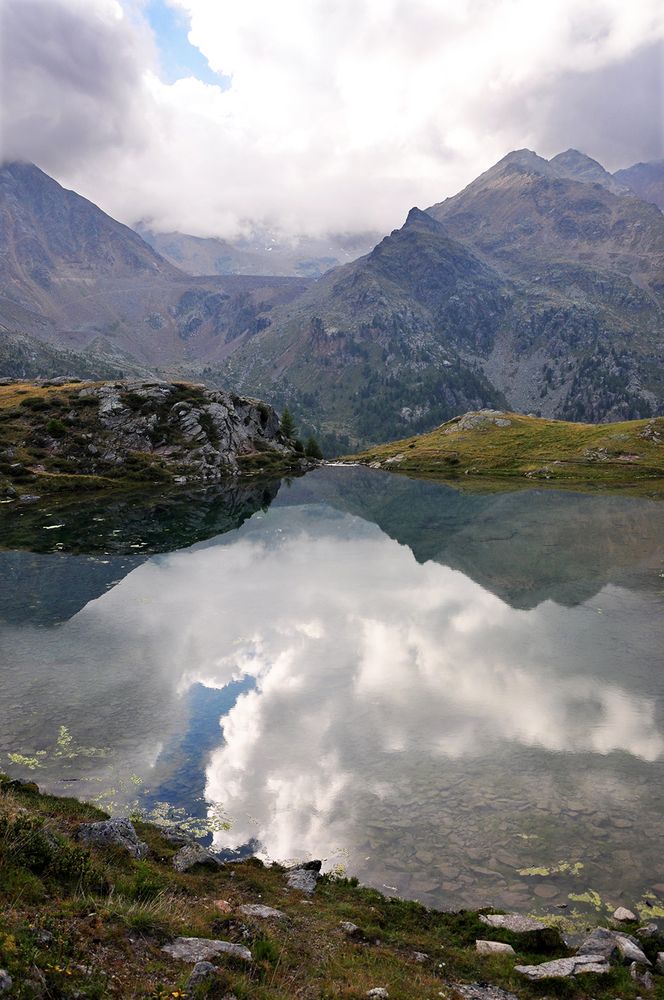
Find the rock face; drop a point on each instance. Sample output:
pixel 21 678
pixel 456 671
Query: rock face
pixel 113 833
pixel 193 856
pixel 140 432
pixel 190 949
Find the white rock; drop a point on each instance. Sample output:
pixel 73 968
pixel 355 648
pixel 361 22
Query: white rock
pixel 379 992
pixel 514 922
pixel 493 948
pixel 622 913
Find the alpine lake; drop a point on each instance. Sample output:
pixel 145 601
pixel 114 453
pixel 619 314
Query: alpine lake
pixel 456 698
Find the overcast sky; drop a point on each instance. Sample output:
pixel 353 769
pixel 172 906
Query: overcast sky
pixel 317 115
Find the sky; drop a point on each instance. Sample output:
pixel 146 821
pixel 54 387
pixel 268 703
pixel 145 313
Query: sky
pixel 311 116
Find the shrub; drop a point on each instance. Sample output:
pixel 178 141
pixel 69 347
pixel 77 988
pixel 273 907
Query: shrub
pixel 56 428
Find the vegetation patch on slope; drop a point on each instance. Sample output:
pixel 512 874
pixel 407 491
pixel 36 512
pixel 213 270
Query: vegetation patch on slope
pixel 83 921
pixel 491 447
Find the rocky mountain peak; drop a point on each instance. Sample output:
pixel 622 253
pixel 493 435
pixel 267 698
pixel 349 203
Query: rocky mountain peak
pixel 581 167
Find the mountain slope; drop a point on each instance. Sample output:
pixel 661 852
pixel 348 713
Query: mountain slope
pixel 529 286
pixel 72 275
pixel 376 345
pixel 646 180
pixel 262 253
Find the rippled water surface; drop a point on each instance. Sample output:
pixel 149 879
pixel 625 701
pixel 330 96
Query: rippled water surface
pixel 459 698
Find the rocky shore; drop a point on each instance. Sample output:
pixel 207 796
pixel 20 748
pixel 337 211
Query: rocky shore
pixel 66 436
pixel 98 907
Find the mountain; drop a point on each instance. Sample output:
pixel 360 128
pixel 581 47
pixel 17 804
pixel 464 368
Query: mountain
pixel 72 275
pixel 263 253
pixel 530 286
pixel 646 180
pixel 578 166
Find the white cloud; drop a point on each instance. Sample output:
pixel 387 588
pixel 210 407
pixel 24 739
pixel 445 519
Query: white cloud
pixel 339 116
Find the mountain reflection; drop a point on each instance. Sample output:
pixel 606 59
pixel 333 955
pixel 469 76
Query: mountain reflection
pixel 374 703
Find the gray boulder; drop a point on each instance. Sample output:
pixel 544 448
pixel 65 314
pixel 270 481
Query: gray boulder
pixel 195 856
pixel 659 963
pixel 304 877
pixel 6 981
pixel 493 948
pixel 191 949
pixel 600 942
pixel 647 932
pixel 202 972
pixel 262 912
pixel 564 968
pixel 113 833
pixel 630 951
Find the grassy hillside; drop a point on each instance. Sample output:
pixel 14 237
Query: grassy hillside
pixel 79 922
pixel 494 448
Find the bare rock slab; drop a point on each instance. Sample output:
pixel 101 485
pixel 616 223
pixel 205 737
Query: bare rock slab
pixel 194 856
pixel 482 991
pixel 191 949
pixel 113 833
pixel 564 968
pixel 493 948
pixel 262 912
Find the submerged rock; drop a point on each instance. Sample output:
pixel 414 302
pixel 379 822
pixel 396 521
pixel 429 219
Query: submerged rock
pixel 192 949
pixel 623 914
pixel 113 833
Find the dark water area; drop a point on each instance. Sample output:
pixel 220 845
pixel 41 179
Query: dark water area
pixel 459 698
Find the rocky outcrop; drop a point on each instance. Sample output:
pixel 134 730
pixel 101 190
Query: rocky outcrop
pixel 136 431
pixel 196 856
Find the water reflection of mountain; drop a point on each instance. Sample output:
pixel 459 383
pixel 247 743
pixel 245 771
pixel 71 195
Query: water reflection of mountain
pixel 525 547
pixel 78 550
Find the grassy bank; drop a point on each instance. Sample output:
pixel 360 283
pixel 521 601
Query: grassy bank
pixel 498 450
pixel 79 922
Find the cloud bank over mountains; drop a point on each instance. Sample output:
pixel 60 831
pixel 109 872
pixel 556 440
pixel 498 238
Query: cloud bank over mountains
pixel 338 116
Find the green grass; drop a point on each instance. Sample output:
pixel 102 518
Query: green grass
pixel 532 451
pixel 105 939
